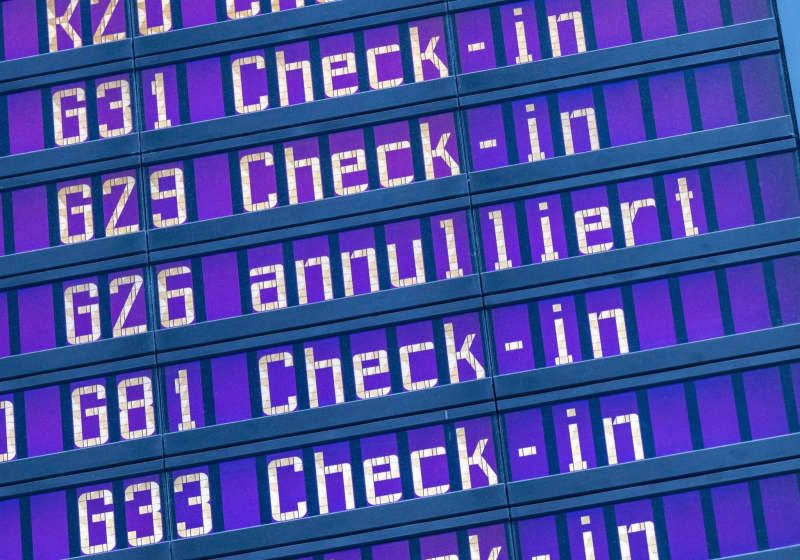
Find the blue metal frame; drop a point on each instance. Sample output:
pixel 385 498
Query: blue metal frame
pixel 497 504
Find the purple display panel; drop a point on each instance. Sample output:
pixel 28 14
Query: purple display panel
pixel 406 252
pixel 184 397
pixel 559 331
pixel 221 284
pixel 213 193
pixel 66 106
pixel 625 428
pixel 451 245
pixel 717 410
pixel 513 342
pixel 734 519
pixel 397 549
pixel 715 94
pixel 5 327
pixel 36 327
pixel 575 449
pixel 153 17
pixel 781 502
pixel 325 369
pixel 498 226
pixel 624 109
pixel 766 406
pixel 238 482
pixel 670 419
pixel 61 26
pixel 670 104
pixel 10 529
pixel 438 546
pixel 581 129
pixel 701 310
pixel 538 538
pixel 490 541
pixel 680 533
pixel 30 219
pixel 79 303
pixel 95 506
pixel 745 10
pixel 566 24
pixel 256 183
pixel 775 173
pixel 488 142
pixel 82 408
pixel 476 49
pixel 683 517
pixel 703 14
pixel 786 270
pixel 49 529
pixel 328 471
pixel 636 530
pixel 660 330
pixel 191 502
pixel 527 448
pixel 206 86
pixel 587 534
pixel 313 273
pixel 230 381
pixel 8 431
pixel 748 293
pixel 43 433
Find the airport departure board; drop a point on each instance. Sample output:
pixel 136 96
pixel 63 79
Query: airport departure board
pixel 408 279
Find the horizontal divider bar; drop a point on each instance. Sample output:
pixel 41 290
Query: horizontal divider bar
pixel 50 64
pixel 283 230
pixel 337 123
pixel 284 22
pixel 408 530
pixel 80 460
pixel 80 170
pixel 320 437
pixel 647 490
pixel 160 551
pixel 637 479
pixel 313 330
pixel 703 353
pixel 42 276
pixel 620 62
pixel 633 171
pixel 623 73
pixel 460 5
pixel 783 553
pixel 315 426
pixel 54 259
pixel 353 307
pixel 359 521
pixel 57 158
pixel 124 65
pixel 95 367
pixel 44 67
pixel 109 350
pixel 622 157
pixel 646 262
pixel 317 422
pixel 81 479
pixel 282 37
pixel 513 391
pixel 392 104
pixel 318 216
